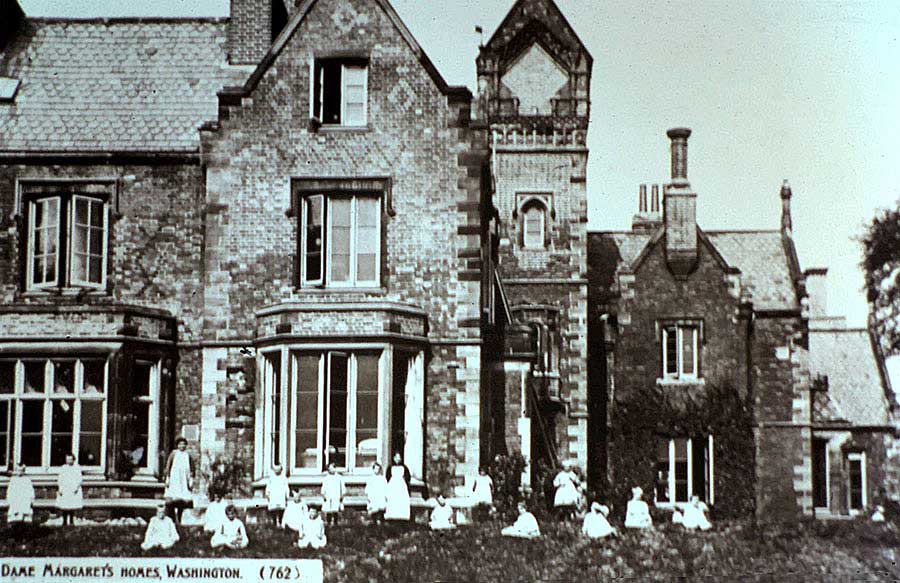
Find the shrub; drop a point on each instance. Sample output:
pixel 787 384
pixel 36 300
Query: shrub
pixel 228 478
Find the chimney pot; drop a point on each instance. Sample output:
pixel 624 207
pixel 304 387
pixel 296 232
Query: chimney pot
pixel 642 199
pixel 679 137
pixel 654 199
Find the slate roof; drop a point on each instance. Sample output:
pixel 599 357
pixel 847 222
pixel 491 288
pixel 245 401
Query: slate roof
pixel 116 85
pixel 760 255
pixel 856 384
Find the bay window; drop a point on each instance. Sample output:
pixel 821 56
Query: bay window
pixel 52 407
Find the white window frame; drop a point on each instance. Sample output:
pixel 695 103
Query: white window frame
pixel 327 279
pixel 152 453
pixel 65 226
pixel 48 397
pixel 680 329
pixel 709 474
pixel 71 248
pixel 528 241
pixel 861 458
pixel 317 76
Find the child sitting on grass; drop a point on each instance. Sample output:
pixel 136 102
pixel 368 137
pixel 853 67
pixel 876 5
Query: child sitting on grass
pixel 231 532
pixel 333 494
pixel 277 493
pixel 637 513
pixel 442 515
pixel 525 526
pixel 313 535
pixel 20 497
pixel 161 531
pixel 595 523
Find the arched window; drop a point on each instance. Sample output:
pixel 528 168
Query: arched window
pixel 533 226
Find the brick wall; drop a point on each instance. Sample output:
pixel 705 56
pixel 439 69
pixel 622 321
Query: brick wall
pixel 249 30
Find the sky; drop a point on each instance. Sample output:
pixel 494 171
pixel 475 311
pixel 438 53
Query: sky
pixel 804 90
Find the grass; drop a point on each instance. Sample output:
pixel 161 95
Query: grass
pixel 737 551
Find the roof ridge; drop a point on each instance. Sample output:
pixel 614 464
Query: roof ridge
pixel 741 231
pixel 127 19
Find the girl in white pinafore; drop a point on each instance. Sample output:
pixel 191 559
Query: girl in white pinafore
pixel 179 479
pixel 20 497
pixel 296 514
pixel 398 491
pixel 376 494
pixel 567 487
pixel 69 497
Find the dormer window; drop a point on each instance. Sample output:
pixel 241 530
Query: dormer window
pixel 339 91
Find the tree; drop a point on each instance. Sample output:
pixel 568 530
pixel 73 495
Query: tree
pixel 881 263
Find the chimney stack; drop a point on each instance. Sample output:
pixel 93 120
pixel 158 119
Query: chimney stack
pixel 680 210
pixel 252 28
pixel 647 219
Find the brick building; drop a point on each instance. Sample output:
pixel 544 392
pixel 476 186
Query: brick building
pixel 285 237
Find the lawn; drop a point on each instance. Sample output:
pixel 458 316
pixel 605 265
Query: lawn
pixel 740 551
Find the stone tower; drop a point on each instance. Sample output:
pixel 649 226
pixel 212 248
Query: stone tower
pixel 534 96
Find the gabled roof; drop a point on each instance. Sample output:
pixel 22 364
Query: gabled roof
pixel 857 386
pixel 760 257
pixel 112 85
pixel 299 15
pixel 554 29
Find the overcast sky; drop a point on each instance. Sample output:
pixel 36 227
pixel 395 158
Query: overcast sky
pixel 803 90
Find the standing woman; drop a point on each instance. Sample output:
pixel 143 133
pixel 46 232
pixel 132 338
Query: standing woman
pixel 69 497
pixel 398 490
pixel 179 480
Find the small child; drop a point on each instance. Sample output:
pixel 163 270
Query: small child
pixel 525 526
pixel 333 494
pixel 376 494
pixel 878 515
pixel 69 497
pixel 277 493
pixel 568 491
pixel 482 494
pixel 231 532
pixel 313 535
pixel 637 514
pixel 20 497
pixel 442 515
pixel 296 514
pixel 161 531
pixel 694 515
pixel 595 523
pixel 215 515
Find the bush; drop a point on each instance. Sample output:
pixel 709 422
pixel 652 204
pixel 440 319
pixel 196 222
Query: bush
pixel 228 478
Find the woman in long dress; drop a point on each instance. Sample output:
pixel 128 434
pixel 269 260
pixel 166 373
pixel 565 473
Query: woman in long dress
pixel 179 480
pixel 69 496
pixel 20 497
pixel 398 490
pixel 376 494
pixel 568 492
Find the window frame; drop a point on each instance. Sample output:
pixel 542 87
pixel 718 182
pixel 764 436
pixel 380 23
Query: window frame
pixel 326 279
pixel 857 457
pixel 679 373
pixel 709 472
pixel 528 240
pixel 48 397
pixel 66 192
pixel 153 416
pixel 317 90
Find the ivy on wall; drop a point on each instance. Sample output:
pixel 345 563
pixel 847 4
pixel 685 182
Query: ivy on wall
pixel 647 414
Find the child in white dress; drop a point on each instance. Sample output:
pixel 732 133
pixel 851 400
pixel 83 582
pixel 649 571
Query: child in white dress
pixel 179 480
pixel 313 535
pixel 161 531
pixel 69 496
pixel 482 495
pixel 525 526
pixel 694 515
pixel 215 515
pixel 20 497
pixel 231 533
pixel 442 515
pixel 567 484
pixel 332 494
pixel 878 515
pixel 296 514
pixel 376 494
pixel 277 493
pixel 637 514
pixel 595 523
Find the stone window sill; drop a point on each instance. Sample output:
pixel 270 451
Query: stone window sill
pixel 680 382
